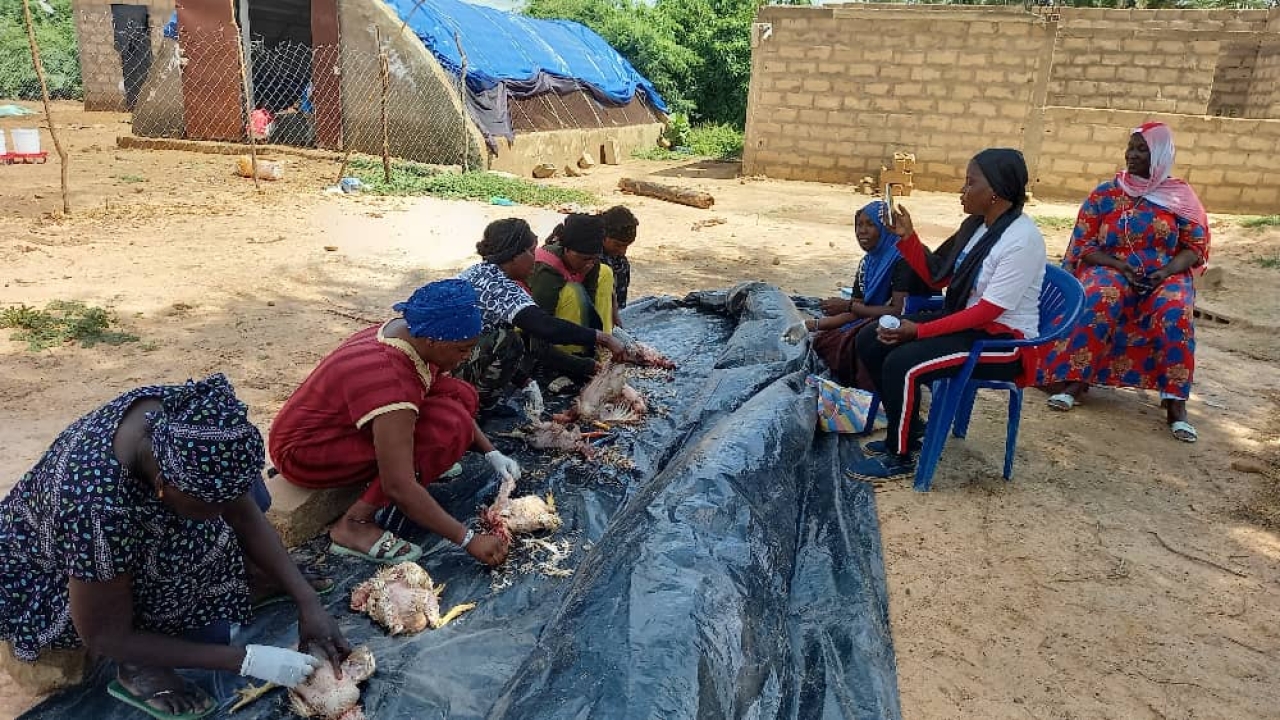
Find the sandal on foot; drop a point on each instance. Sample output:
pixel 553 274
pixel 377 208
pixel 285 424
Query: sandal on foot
pixel 878 447
pixel 118 691
pixel 386 549
pixel 1062 401
pixel 1184 431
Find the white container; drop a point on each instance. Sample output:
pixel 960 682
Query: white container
pixel 889 322
pixel 26 141
pixel 3 151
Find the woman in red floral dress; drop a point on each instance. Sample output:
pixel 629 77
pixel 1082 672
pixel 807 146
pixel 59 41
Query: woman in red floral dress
pixel 1137 239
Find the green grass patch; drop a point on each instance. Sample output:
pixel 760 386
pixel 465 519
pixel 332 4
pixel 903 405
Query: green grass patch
pixel 719 142
pixel 1055 223
pixel 409 178
pixel 131 178
pixel 1260 221
pixel 1270 263
pixel 62 322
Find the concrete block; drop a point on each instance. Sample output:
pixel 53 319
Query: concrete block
pixel 300 514
pixel 53 670
pixel 610 151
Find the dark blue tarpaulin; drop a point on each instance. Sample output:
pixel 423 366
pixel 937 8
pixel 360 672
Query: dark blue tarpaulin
pixel 732 573
pixel 503 46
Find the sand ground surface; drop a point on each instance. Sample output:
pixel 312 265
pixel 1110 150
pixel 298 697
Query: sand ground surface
pixel 1123 574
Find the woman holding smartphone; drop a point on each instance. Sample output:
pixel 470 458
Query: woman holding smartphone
pixel 992 267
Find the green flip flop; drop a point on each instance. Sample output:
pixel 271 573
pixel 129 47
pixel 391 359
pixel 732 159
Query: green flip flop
pixel 386 549
pixel 118 691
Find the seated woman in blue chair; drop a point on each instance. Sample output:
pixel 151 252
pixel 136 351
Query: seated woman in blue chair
pixel 993 268
pixel 880 287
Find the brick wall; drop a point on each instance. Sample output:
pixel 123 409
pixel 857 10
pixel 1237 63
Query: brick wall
pixel 1264 92
pixel 1233 79
pixel 836 90
pixel 1164 20
pixel 830 102
pixel 1134 69
pixel 100 70
pixel 1230 162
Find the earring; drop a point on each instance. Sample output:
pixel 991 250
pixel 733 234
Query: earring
pixel 160 493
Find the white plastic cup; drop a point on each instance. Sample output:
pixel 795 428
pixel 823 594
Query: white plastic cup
pixel 889 322
pixel 26 141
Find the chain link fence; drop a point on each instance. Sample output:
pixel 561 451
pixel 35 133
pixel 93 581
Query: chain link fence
pixel 380 94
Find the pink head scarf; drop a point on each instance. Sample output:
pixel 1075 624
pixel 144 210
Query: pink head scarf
pixel 1170 193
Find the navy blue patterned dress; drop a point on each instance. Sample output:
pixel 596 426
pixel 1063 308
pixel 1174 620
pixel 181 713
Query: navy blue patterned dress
pixel 80 514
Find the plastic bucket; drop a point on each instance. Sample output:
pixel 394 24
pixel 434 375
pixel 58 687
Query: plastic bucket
pixel 26 141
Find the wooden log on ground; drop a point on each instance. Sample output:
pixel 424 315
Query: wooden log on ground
pixel 669 193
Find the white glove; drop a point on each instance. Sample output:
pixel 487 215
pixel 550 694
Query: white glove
pixel 624 337
pixel 533 398
pixel 277 665
pixel 796 333
pixel 503 465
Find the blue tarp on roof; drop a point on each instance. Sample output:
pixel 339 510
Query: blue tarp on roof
pixel 503 46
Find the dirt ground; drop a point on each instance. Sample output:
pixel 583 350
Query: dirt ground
pixel 1122 574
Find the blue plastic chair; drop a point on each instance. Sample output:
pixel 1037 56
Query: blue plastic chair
pixel 951 406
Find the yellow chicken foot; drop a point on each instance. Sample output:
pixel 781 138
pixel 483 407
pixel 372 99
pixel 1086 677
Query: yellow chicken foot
pixel 251 694
pixel 454 612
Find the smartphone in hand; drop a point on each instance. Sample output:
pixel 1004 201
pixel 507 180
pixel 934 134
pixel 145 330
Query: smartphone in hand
pixel 887 216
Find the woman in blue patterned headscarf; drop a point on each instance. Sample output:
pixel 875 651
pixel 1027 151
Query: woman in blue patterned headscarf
pixel 130 537
pixel 880 287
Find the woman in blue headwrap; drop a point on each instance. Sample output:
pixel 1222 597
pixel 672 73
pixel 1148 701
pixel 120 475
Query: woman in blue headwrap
pixel 383 411
pixel 993 269
pixel 130 537
pixel 880 287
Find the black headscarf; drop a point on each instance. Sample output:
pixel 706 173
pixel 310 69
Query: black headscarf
pixel 505 239
pixel 1006 172
pixel 581 233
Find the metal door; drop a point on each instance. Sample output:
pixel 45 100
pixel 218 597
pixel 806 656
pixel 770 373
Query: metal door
pixel 326 65
pixel 211 78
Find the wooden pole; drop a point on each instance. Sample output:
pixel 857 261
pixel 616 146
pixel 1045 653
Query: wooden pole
pixel 384 69
pixel 44 94
pixel 246 87
pixel 342 170
pixel 462 98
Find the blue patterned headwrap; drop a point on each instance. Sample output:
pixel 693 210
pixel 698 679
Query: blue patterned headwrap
pixel 877 268
pixel 445 310
pixel 204 443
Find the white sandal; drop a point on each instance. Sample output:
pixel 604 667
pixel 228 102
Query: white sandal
pixel 1184 431
pixel 1062 401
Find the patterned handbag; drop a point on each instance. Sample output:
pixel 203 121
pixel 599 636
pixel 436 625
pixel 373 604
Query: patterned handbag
pixel 840 409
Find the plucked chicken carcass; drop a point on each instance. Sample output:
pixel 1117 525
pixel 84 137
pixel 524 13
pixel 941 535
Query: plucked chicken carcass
pixel 647 356
pixel 403 599
pixel 607 399
pixel 546 435
pixel 328 697
pixel 521 516
pixel 324 695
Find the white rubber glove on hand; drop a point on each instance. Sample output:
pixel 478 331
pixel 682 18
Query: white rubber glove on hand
pixel 533 398
pixel 795 333
pixel 281 666
pixel 503 465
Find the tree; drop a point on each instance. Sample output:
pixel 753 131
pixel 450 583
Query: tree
pixel 56 36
